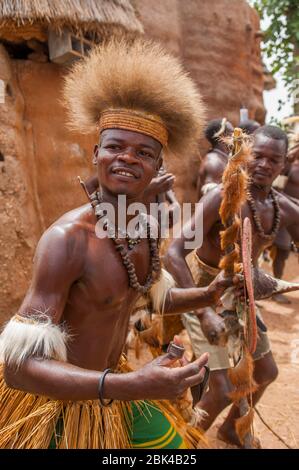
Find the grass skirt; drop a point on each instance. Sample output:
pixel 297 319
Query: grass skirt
pixel 30 422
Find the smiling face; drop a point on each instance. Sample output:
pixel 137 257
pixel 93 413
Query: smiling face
pixel 127 161
pixel 269 159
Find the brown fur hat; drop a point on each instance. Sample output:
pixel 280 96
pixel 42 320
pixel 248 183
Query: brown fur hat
pixel 138 75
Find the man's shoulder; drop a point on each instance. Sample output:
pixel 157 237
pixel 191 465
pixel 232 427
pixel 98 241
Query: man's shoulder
pixel 213 197
pixel 216 193
pixel 214 165
pixel 294 173
pixel 213 158
pixel 69 232
pixel 286 204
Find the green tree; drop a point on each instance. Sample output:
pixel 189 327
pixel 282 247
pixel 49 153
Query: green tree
pixel 281 41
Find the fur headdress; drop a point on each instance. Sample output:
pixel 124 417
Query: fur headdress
pixel 141 77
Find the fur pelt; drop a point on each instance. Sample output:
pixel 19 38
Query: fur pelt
pixel 138 75
pixel 235 181
pixel 159 291
pixel 23 337
pixel 244 424
pixel 241 378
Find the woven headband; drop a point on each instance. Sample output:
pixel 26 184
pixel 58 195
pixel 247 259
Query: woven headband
pixel 130 120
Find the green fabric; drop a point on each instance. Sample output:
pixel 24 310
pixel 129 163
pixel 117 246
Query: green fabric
pixel 152 430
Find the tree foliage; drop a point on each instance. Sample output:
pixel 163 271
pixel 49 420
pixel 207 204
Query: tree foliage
pixel 281 41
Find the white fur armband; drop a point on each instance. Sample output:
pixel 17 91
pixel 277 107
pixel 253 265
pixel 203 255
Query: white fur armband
pixel 159 291
pixel 36 336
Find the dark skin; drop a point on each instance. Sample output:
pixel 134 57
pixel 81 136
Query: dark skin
pixel 159 190
pixel 281 257
pixel 269 160
pixel 162 183
pixel 292 186
pixel 79 279
pixel 292 190
pixel 214 163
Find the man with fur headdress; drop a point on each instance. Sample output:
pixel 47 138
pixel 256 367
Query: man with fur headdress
pixel 60 350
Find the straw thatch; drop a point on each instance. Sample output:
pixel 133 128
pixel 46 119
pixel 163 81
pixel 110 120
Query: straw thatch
pixel 92 16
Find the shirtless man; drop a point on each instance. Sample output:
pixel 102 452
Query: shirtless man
pixel 283 240
pixel 215 161
pixel 88 282
pixel 292 186
pixel 270 150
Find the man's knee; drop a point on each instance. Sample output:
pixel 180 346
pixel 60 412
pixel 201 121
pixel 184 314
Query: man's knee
pixel 282 255
pixel 271 373
pixel 220 387
pixel 266 371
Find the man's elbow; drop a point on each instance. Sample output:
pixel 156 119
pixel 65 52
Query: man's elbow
pixel 16 376
pixel 10 376
pixel 167 261
pixel 172 254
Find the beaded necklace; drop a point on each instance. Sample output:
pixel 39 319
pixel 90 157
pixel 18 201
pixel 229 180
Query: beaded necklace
pixel 155 265
pixel 257 219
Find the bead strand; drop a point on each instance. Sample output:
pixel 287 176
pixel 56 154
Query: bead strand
pixel 257 220
pixel 155 265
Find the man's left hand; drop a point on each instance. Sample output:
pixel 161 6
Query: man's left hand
pixel 222 282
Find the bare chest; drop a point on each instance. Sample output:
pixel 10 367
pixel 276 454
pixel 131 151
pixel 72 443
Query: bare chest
pixel 105 281
pixel 265 214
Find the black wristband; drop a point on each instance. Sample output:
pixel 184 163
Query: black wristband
pixel 101 385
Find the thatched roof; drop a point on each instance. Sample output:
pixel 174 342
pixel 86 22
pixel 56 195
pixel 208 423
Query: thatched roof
pixel 80 15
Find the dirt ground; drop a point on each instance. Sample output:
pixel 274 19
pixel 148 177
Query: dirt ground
pixel 279 405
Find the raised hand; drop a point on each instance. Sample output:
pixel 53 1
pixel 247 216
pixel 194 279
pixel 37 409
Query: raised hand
pixel 160 184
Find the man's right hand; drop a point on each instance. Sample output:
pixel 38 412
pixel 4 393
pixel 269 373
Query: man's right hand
pixel 160 379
